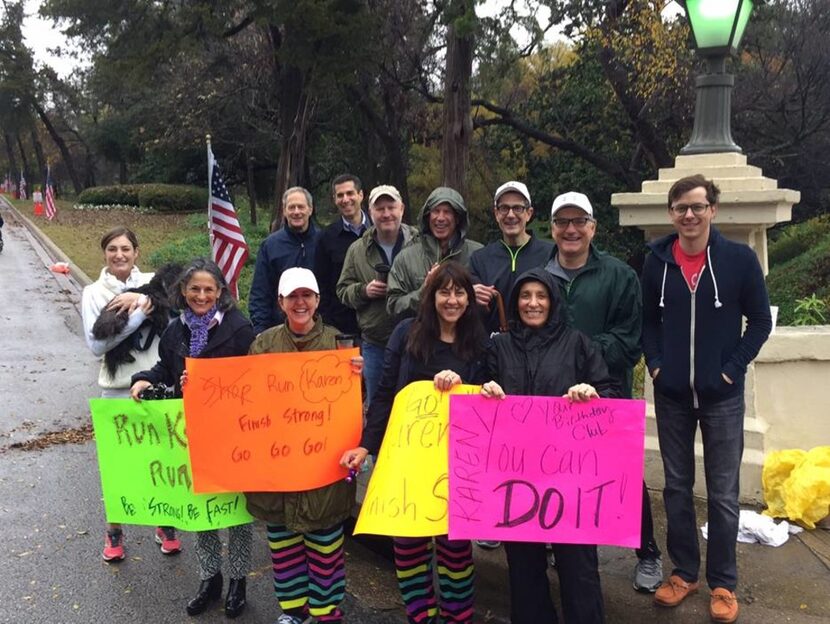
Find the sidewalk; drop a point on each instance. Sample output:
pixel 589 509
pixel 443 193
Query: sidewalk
pixel 786 584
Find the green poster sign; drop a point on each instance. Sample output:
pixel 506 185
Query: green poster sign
pixel 145 469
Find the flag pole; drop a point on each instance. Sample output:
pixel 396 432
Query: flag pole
pixel 210 185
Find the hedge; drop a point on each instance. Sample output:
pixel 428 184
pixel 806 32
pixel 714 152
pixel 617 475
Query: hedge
pixel 160 197
pixel 798 238
pixel 173 197
pixel 123 195
pixel 800 277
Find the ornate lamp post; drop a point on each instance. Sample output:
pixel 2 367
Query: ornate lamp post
pixel 717 26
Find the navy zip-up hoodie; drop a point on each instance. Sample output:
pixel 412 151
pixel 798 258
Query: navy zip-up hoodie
pixel 695 338
pixel 281 250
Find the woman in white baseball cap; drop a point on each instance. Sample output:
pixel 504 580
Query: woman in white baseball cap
pixel 304 526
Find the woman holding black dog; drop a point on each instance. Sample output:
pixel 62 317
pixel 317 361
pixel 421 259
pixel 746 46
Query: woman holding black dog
pixel 210 326
pixel 108 293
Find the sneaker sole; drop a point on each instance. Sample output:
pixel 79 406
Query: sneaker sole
pixel 115 559
pixel 163 550
pixel 646 590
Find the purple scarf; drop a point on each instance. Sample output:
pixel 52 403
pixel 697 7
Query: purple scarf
pixel 198 329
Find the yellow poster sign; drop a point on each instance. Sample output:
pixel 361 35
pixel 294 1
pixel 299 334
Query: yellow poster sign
pixel 408 491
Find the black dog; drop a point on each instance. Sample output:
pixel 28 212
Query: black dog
pixel 111 323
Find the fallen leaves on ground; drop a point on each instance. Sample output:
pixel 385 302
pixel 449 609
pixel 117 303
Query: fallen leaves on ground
pixel 78 435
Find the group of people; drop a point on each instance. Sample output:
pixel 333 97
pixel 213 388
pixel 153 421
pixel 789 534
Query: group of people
pixel 427 304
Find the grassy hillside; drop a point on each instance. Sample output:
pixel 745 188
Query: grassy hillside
pixel 799 260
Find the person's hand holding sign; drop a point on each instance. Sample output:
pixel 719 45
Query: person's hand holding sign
pixel 581 393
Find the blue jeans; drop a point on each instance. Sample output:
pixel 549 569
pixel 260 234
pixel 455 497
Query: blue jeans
pixel 372 368
pixel 722 430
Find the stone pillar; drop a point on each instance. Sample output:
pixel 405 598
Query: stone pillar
pixel 749 205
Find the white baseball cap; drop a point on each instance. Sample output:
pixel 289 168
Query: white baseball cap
pixel 384 189
pixel 572 198
pixel 297 277
pixel 517 187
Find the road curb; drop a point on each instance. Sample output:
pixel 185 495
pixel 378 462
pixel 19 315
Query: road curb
pixel 55 252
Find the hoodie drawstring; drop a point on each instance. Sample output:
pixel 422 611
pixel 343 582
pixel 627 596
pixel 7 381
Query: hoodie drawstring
pixel 718 304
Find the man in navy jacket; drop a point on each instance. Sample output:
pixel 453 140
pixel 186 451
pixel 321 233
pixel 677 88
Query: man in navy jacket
pixel 332 244
pixel 697 288
pixel 291 246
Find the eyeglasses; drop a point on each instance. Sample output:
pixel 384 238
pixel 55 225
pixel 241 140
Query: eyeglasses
pixel 518 209
pixel 681 209
pixel 563 223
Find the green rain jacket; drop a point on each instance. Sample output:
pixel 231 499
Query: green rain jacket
pixel 375 323
pixel 604 302
pixel 412 265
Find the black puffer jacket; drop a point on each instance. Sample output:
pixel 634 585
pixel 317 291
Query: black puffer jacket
pixel 549 360
pixel 232 337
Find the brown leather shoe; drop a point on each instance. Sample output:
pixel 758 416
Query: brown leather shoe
pixel 723 605
pixel 674 591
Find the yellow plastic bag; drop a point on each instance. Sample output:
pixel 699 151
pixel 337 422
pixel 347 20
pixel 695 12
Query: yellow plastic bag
pixel 797 485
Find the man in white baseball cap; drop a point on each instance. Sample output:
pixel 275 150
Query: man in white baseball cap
pixel 602 297
pixel 495 267
pixel 362 284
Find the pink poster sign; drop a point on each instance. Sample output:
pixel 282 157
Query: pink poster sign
pixel 543 469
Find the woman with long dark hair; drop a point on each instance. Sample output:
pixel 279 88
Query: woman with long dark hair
pixel 446 344
pixel 210 326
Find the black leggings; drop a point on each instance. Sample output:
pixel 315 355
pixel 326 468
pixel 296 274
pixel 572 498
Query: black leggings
pixel 579 584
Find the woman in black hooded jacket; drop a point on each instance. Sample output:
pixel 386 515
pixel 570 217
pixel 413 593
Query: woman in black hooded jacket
pixel 541 356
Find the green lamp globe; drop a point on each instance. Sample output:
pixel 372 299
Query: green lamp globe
pixel 718 25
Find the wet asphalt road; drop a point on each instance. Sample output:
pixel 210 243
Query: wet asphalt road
pixel 50 499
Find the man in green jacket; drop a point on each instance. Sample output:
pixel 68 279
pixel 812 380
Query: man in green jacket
pixel 362 284
pixel 602 295
pixel 443 226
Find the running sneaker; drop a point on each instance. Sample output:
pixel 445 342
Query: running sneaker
pixel 166 538
pixel 648 574
pixel 113 546
pixel 487 544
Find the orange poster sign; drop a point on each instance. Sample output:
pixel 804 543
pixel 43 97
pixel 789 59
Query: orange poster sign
pixel 277 422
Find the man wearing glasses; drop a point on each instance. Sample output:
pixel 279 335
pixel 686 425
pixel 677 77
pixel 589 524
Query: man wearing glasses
pixel 697 289
pixel 495 267
pixel 602 295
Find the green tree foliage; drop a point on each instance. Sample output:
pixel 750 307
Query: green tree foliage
pixel 782 98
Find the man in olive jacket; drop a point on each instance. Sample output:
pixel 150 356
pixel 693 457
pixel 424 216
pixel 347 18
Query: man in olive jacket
pixel 362 284
pixel 443 223
pixel 602 300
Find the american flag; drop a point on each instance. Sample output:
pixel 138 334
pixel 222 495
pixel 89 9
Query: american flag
pixel 51 208
pixel 228 245
pixel 22 186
